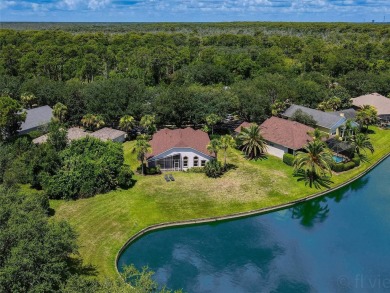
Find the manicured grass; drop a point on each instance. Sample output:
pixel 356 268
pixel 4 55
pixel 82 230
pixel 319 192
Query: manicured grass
pixel 106 221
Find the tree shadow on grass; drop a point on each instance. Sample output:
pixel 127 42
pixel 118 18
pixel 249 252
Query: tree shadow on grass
pixel 77 267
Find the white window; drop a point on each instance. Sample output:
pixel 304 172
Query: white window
pixel 203 163
pixel 185 162
pixel 196 161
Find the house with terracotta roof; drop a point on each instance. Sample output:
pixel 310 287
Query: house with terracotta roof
pixel 284 136
pixel 381 103
pixel 179 149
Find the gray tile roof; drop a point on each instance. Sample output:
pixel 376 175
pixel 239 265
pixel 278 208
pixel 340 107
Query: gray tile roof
pixel 36 117
pixel 324 119
pixel 107 133
pixel 348 113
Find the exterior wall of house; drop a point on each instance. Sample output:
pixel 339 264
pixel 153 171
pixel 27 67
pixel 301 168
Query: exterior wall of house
pixel 276 149
pixel 121 138
pixel 180 154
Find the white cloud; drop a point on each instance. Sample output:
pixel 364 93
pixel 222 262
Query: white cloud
pixel 98 4
pixel 6 4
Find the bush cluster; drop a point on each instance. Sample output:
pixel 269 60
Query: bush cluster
pixel 288 159
pixel 341 167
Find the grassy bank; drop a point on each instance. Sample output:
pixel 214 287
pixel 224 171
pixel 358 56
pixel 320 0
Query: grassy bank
pixel 105 222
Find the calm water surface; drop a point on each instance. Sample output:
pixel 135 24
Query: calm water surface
pixel 339 243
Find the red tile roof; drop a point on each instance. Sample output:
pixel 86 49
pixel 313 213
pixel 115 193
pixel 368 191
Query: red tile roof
pixel 242 125
pixel 290 134
pixel 166 139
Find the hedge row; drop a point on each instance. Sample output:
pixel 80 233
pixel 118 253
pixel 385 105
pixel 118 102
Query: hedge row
pixel 288 159
pixel 341 167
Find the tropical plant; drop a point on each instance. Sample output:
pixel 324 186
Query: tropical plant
pixel 60 111
pixel 141 148
pixel 213 169
pixel 92 122
pixel 333 104
pixel 360 144
pixel 251 142
pixel 214 147
pixel 368 115
pixel 149 123
pixel 278 107
pixel 304 118
pixel 28 99
pixel 212 120
pixel 313 165
pixel 57 136
pixel 317 134
pixel 126 123
pixel 226 142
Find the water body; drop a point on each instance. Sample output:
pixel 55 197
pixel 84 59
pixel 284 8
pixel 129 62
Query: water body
pixel 338 243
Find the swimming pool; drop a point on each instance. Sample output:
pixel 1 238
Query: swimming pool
pixel 338 159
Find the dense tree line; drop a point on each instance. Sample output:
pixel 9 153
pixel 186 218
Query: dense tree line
pixel 41 255
pixel 182 76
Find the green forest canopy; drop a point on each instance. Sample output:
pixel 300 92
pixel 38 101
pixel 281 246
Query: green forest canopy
pixel 184 72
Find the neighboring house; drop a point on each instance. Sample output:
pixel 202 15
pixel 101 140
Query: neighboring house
pixel 107 133
pixel 103 134
pixel 381 103
pixel 73 133
pixel 329 122
pixel 284 136
pixel 179 149
pixel 36 118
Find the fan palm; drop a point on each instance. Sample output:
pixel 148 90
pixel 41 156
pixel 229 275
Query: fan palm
pixel 226 142
pixel 251 142
pixel 214 146
pixel 88 121
pixel 141 148
pixel 126 123
pixel 60 111
pixel 313 165
pixel 360 144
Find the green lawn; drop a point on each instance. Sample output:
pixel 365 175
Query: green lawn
pixel 105 222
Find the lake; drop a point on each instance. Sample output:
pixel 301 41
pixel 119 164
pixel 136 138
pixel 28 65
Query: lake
pixel 337 243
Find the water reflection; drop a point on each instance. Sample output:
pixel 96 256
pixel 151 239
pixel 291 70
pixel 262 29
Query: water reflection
pixel 310 213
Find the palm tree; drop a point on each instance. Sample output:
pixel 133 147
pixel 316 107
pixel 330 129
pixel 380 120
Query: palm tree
pixel 361 142
pixel 212 120
pixel 226 141
pixel 141 148
pixel 368 115
pixel 317 134
pixel 99 121
pixel 126 123
pixel 60 111
pixel 251 142
pixel 214 146
pixel 314 164
pixel 149 123
pixel 88 121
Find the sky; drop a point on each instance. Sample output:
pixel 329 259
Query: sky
pixel 194 11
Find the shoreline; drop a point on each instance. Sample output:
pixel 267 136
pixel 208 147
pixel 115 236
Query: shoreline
pixel 239 215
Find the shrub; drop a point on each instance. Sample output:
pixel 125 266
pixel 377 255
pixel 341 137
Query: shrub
pixel 213 169
pixel 288 159
pixel 349 166
pixel 356 160
pixel 125 176
pixel 337 167
pixel 196 170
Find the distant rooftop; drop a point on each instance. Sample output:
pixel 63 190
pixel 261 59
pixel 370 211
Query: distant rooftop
pixel 107 133
pixel 381 103
pixel 73 133
pixel 36 117
pixel 324 119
